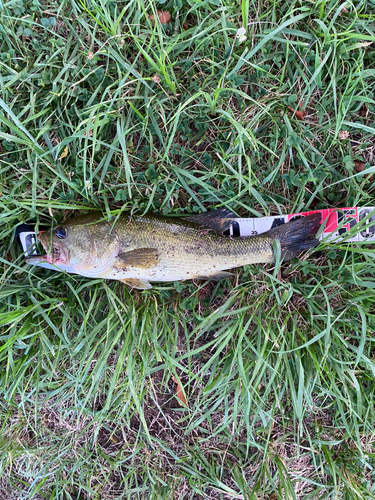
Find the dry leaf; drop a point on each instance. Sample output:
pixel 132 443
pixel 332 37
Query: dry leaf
pixel 64 153
pixel 300 114
pixel 163 15
pixel 360 166
pixel 205 291
pixel 273 496
pixel 179 393
pixel 363 111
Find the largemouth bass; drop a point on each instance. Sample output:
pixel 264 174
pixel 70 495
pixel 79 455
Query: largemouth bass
pixel 140 249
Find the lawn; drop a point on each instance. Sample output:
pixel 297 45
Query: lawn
pixel 104 107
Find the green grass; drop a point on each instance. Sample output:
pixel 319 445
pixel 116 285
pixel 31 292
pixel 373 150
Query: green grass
pixel 277 365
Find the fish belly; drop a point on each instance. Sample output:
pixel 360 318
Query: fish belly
pixel 170 269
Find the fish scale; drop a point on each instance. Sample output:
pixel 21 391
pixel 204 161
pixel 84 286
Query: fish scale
pixel 206 251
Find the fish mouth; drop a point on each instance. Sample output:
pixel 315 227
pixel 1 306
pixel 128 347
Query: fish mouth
pixel 54 254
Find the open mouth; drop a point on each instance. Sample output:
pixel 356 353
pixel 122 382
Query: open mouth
pixel 54 254
pixel 48 252
pixel 55 257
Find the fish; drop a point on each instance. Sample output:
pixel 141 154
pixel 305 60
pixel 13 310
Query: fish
pixel 141 249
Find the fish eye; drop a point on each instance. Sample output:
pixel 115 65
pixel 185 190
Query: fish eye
pixel 60 233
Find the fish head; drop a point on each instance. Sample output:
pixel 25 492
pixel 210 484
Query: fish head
pixel 67 246
pixel 83 244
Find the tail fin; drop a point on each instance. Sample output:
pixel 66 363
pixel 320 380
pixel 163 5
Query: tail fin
pixel 296 235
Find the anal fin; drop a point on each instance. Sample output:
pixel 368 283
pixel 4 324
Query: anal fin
pixel 220 275
pixel 136 283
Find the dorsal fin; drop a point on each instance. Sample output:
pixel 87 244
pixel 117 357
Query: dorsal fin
pixel 219 219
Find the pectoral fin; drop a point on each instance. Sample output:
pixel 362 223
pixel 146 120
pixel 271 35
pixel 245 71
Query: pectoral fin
pixel 219 220
pixel 221 275
pixel 139 284
pixel 141 257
